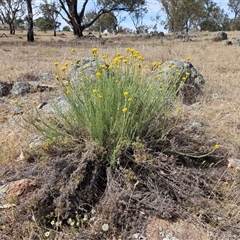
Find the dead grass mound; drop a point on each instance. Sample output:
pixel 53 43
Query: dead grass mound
pixel 78 196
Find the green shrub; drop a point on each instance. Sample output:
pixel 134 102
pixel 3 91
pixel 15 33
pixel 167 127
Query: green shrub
pixel 122 102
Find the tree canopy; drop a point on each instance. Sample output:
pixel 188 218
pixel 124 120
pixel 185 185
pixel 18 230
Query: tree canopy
pixel 76 18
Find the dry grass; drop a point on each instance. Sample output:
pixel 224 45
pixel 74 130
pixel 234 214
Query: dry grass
pixel 219 65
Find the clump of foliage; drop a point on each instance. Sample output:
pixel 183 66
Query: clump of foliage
pixel 122 102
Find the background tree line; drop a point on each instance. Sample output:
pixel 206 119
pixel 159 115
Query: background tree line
pixel 174 15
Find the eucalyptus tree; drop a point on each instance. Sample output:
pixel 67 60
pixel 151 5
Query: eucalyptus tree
pixel 50 11
pixel 30 34
pixel 10 10
pixel 75 18
pixel 107 22
pixel 234 6
pixel 185 14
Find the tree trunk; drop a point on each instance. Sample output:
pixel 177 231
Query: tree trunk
pixel 11 29
pixel 30 34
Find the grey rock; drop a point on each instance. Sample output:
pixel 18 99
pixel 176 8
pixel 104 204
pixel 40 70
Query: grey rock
pixel 234 163
pixel 195 127
pixel 5 88
pixel 220 36
pixel 216 96
pixel 86 66
pixel 194 81
pixel 60 103
pixel 43 76
pixel 236 42
pixel 18 109
pixel 227 42
pixel 21 88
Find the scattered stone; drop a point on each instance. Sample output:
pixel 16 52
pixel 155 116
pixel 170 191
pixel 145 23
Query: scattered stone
pixel 86 65
pixel 193 83
pixel 227 42
pixel 236 42
pixel 195 127
pixel 59 102
pixel 219 36
pixel 216 96
pixel 21 88
pixel 234 163
pixel 18 109
pixel 5 88
pixel 11 191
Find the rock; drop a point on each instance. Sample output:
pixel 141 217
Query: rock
pixel 11 191
pixel 60 102
pixel 236 42
pixel 18 109
pixel 5 88
pixel 234 163
pixel 43 76
pixel 21 88
pixel 194 80
pixel 86 65
pixel 219 36
pixel 195 127
pixel 227 42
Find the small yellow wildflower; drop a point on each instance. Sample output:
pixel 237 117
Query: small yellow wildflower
pixel 129 99
pixel 124 109
pixel 104 57
pixel 140 58
pixel 98 74
pixel 184 78
pixel 57 77
pixel 188 58
pixel 116 60
pixel 116 81
pixel 68 92
pixel 100 96
pixel 73 50
pixel 217 146
pixel 111 67
pixel 125 60
pixel 128 50
pixel 52 222
pixel 104 67
pixel 126 94
pixel 132 50
pixel 56 63
pixel 94 50
pixel 187 74
pixel 154 64
pixel 94 90
pixel 47 234
pixel 63 68
pixel 179 109
pixel 66 64
pixel 34 102
pixel 15 102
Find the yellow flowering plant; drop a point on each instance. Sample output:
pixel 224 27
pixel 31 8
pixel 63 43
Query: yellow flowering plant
pixel 118 104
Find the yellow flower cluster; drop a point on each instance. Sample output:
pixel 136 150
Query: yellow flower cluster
pixel 95 52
